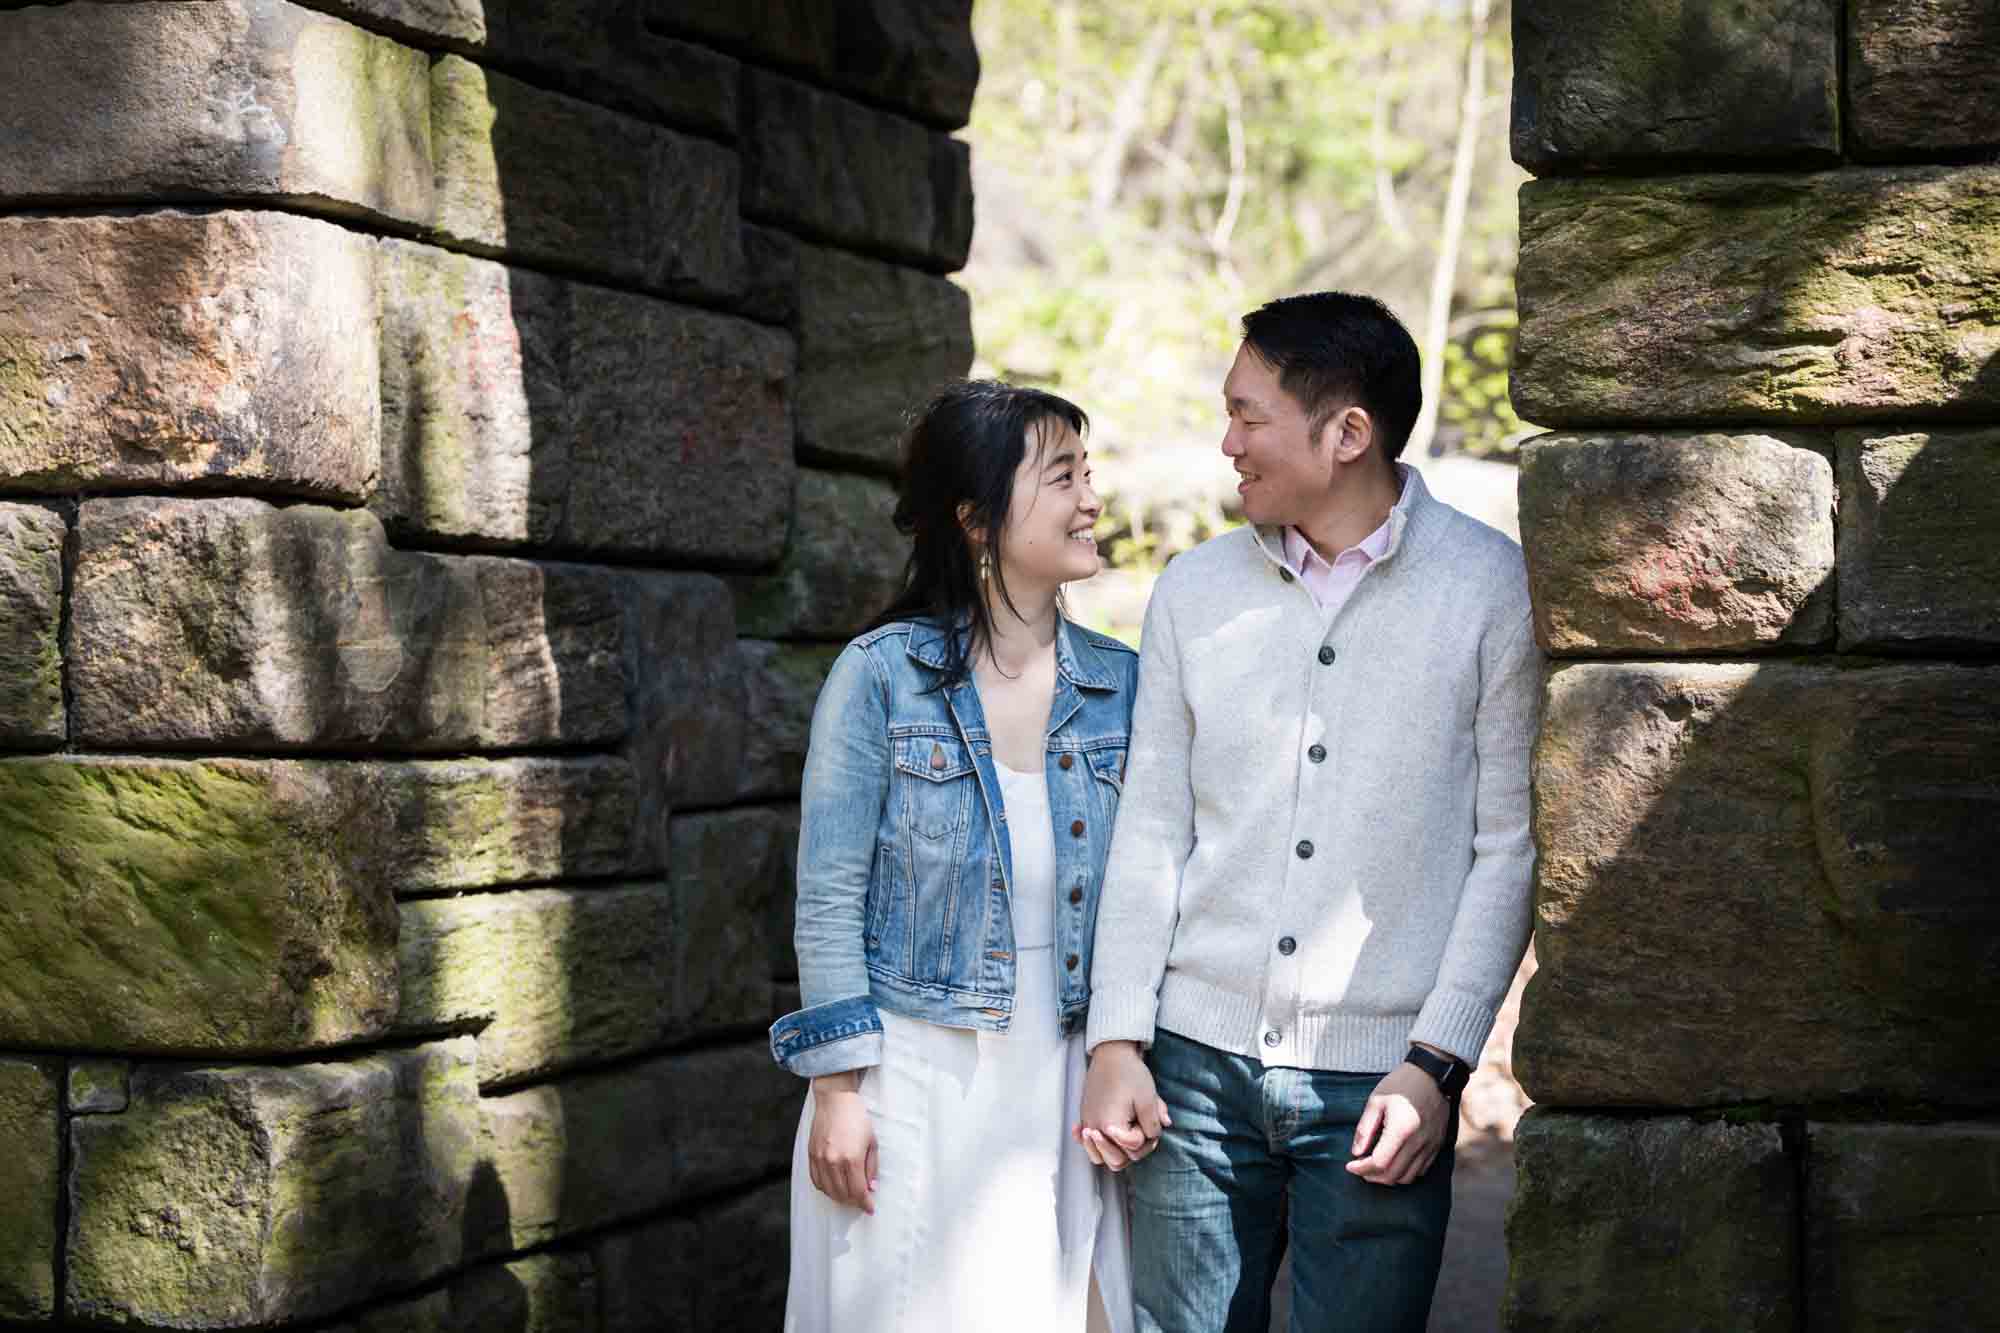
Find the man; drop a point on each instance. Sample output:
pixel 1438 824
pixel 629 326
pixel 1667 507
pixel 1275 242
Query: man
pixel 1318 885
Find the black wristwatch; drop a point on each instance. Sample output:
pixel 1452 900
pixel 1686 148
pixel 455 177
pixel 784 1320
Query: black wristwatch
pixel 1449 1073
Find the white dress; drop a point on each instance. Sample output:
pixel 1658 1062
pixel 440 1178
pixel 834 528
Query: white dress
pixel 988 1217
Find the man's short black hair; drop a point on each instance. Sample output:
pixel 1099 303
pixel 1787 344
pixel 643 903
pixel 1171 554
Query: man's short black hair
pixel 1331 349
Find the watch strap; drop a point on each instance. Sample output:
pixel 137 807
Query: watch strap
pixel 1448 1073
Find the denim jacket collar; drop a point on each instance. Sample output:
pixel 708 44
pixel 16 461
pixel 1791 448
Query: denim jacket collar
pixel 1077 659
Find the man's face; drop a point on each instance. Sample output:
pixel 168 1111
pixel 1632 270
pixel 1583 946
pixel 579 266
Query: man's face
pixel 1283 477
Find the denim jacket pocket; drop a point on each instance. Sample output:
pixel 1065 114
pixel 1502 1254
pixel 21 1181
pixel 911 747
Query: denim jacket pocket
pixel 936 783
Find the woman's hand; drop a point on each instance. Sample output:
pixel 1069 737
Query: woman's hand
pixel 841 1152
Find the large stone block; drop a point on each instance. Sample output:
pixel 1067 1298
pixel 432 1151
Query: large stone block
pixel 30 1176
pixel 552 978
pixel 687 746
pixel 1923 76
pixel 31 663
pixel 229 99
pixel 230 622
pixel 172 348
pixel 521 409
pixel 555 180
pixel 1663 81
pixel 1788 300
pixel 543 1293
pixel 1902 1226
pixel 1918 560
pixel 1648 1224
pixel 662 1275
pixel 919 57
pixel 875 341
pixel 456 21
pixel 783 682
pixel 731 876
pixel 605 52
pixel 1781 866
pixel 843 563
pixel 477 823
pixel 241 1197
pixel 1677 543
pixel 130 886
pixel 602 1148
pixel 842 172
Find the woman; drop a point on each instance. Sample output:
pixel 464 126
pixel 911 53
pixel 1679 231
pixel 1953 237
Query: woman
pixel 966 759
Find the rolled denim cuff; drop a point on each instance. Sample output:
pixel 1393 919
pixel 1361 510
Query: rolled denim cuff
pixel 829 1038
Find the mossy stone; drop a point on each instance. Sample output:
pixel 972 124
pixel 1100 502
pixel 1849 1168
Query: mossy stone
pixel 31 666
pixel 30 1092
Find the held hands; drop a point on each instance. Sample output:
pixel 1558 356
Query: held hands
pixel 1404 1124
pixel 1122 1111
pixel 840 1155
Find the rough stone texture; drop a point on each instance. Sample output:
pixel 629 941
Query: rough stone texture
pixel 29 1179
pixel 843 563
pixel 520 409
pixel 662 1276
pixel 1790 300
pixel 772 291
pixel 1918 561
pixel 688 692
pixel 731 875
pixel 229 622
pixel 1647 1224
pixel 171 348
pixel 1923 76
pixel 919 57
pixel 238 1196
pixel 99 1087
pixel 783 682
pixel 479 823
pixel 1903 1224
pixel 842 172
pixel 559 181
pixel 464 21
pixel 604 50
pixel 1783 866
pixel 1600 86
pixel 875 341
pixel 31 663
pixel 553 978
pixel 130 887
pixel 230 99
pixel 601 1148
pixel 1677 543
pixel 544 1293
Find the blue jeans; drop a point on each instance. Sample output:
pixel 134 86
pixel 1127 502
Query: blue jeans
pixel 1256 1157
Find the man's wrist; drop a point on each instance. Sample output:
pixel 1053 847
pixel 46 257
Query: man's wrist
pixel 1117 1049
pixel 1444 1069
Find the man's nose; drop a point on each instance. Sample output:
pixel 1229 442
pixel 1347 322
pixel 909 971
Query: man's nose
pixel 1231 446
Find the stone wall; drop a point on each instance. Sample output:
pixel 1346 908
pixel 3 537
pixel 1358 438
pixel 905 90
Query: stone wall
pixel 1760 309
pixel 441 444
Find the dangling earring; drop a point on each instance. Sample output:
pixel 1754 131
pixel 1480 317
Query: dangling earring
pixel 985 565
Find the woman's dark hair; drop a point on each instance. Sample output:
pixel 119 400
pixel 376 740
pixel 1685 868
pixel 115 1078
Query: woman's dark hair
pixel 962 451
pixel 1335 348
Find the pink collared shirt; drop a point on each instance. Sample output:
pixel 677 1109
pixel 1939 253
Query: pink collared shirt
pixel 1332 584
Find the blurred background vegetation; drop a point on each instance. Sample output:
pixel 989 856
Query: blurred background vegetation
pixel 1147 171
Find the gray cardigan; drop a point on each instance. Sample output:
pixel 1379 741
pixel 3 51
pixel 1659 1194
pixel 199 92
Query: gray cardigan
pixel 1322 850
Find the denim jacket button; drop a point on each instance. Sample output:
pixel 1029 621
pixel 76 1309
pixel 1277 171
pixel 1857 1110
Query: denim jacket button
pixel 1065 762
pixel 937 757
pixel 1076 828
pixel 1070 962
pixel 1076 895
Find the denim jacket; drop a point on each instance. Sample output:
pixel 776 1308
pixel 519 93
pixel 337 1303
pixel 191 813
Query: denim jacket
pixel 903 876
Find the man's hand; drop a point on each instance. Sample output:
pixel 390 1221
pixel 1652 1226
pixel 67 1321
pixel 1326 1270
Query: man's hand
pixel 1402 1129
pixel 840 1154
pixel 1122 1111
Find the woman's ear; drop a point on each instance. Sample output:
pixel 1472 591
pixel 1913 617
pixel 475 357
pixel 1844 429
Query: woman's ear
pixel 976 534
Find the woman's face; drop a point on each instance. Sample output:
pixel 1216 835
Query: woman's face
pixel 1048 537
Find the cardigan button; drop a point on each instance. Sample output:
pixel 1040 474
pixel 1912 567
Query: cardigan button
pixel 1076 829
pixel 1317 754
pixel 1272 1038
pixel 1287 946
pixel 1305 850
pixel 1065 762
pixel 1325 655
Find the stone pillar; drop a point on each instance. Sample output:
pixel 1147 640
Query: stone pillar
pixel 442 445
pixel 1757 302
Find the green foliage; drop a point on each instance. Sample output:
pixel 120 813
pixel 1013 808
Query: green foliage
pixel 1148 172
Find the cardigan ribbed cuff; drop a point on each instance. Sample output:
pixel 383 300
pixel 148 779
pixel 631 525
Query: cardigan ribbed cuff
pixel 1121 1013
pixel 1456 1023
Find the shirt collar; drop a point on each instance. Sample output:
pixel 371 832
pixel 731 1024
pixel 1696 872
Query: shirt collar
pixel 1303 558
